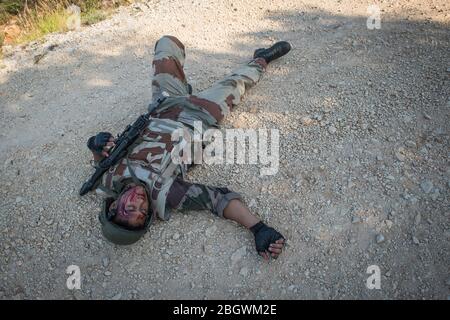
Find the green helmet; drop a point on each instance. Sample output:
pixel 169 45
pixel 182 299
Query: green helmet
pixel 116 233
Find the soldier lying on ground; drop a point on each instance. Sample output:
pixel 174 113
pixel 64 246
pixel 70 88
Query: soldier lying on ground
pixel 147 183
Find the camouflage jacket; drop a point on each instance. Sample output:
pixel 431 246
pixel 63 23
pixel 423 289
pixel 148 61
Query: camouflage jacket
pixel 151 162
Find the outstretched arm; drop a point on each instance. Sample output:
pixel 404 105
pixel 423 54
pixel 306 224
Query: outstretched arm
pixel 237 211
pixel 223 202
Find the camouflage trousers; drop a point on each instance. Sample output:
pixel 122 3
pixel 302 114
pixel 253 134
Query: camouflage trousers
pixel 217 101
pixel 168 76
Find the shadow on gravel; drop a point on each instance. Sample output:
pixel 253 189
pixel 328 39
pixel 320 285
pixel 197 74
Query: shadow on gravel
pixel 327 49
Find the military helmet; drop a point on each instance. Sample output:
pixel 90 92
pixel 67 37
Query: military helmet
pixel 118 234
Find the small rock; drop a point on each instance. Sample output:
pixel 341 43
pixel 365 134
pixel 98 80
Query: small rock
pixel 8 50
pixel 107 273
pixel 379 238
pixel 105 262
pixel 39 57
pixel 238 255
pixel 208 249
pixel 74 20
pixel 176 236
pixel 435 195
pixel 332 130
pixel 389 223
pixel 356 220
pixel 417 219
pixel 426 186
pixel 399 154
pixel 410 144
pixel 210 231
pixel 244 272
pixel 52 47
pixel 415 240
pixel 19 199
pixel 307 121
pixel 117 296
pixel 391 139
pixel 423 151
pixel 45 51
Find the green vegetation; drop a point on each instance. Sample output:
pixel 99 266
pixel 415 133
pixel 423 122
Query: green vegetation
pixel 93 16
pixel 39 25
pixel 9 8
pixel 37 18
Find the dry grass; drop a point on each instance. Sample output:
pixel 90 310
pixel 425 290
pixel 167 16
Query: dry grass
pixel 10 8
pixel 44 18
pixel 37 18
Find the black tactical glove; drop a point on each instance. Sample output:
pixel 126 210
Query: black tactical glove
pixel 264 236
pixel 98 142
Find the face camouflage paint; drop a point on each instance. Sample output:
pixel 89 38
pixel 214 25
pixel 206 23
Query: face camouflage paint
pixel 131 195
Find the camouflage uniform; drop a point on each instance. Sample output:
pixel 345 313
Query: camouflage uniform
pixel 150 160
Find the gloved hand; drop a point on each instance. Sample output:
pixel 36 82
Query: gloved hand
pixel 268 241
pixel 101 143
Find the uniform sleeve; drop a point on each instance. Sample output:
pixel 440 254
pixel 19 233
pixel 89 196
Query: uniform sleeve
pixel 184 195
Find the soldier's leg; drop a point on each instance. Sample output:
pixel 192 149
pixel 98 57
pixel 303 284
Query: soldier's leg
pixel 228 92
pixel 168 62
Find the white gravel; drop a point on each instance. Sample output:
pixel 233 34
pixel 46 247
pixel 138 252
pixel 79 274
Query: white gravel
pixel 364 127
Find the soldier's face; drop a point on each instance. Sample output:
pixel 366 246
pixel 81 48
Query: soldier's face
pixel 132 207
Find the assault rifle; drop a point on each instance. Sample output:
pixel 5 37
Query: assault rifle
pixel 122 144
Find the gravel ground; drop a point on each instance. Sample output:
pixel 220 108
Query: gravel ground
pixel 364 172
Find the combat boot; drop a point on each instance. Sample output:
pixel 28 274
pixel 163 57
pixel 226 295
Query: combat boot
pixel 279 49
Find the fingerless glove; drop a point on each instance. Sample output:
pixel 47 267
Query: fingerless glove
pixel 264 236
pixel 96 143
